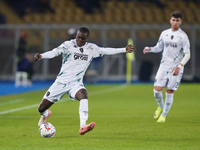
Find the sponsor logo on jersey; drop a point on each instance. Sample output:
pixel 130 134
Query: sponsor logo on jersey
pixel 171 44
pixel 172 37
pixel 80 56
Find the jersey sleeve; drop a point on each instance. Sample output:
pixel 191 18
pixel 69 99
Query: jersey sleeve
pixel 159 46
pixel 49 54
pixel 186 44
pixel 100 51
pixel 55 52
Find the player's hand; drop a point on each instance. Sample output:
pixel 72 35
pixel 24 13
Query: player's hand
pixel 146 49
pixel 37 57
pixel 130 48
pixel 176 71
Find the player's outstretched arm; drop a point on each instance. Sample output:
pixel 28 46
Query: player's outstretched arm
pixel 130 48
pixel 37 57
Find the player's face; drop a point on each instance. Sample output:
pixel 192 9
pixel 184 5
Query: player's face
pixel 175 23
pixel 81 38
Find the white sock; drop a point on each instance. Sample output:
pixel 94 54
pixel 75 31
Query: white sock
pixel 159 97
pixel 168 103
pixel 83 111
pixel 45 113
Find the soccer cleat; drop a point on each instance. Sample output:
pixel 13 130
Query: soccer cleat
pixel 161 119
pixel 86 128
pixel 157 113
pixel 43 120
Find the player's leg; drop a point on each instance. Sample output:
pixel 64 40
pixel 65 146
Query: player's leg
pixel 81 95
pixel 79 92
pixel 44 112
pixel 159 84
pixel 54 94
pixel 172 86
pixel 44 105
pixel 159 99
pixel 168 103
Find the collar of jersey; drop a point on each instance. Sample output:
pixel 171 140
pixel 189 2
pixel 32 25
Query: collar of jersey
pixel 74 41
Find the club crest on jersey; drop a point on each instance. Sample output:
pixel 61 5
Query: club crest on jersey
pixel 81 49
pixel 172 37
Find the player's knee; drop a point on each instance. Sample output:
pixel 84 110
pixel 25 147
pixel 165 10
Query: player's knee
pixel 84 95
pixel 158 88
pixel 81 94
pixel 170 91
pixel 157 94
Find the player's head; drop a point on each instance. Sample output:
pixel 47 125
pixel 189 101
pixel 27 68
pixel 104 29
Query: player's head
pixel 175 20
pixel 176 14
pixel 82 36
pixel 22 35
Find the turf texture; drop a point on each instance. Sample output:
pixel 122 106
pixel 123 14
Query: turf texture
pixel 123 116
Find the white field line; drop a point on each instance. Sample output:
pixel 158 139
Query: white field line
pixel 67 99
pixel 108 90
pixel 13 101
pixel 18 109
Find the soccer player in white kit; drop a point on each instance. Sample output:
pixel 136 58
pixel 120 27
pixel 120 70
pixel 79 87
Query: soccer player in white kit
pixel 77 55
pixel 176 52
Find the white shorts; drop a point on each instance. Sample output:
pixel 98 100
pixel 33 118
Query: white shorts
pixel 57 90
pixel 166 79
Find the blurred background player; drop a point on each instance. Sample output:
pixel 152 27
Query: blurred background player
pixel 71 33
pixel 77 56
pixel 175 45
pixel 24 59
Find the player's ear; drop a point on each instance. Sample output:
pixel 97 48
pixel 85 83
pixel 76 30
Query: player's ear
pixel 180 21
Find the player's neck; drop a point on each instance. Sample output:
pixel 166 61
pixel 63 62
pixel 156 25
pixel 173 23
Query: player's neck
pixel 174 29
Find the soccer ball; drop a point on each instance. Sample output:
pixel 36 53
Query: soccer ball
pixel 47 130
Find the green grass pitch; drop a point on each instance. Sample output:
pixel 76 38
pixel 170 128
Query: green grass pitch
pixel 123 116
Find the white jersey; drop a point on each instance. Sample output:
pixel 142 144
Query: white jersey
pixel 75 60
pixel 173 44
